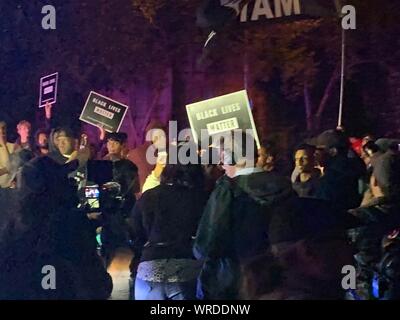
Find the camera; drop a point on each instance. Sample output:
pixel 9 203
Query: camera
pixel 99 193
pixel 109 187
pixel 92 196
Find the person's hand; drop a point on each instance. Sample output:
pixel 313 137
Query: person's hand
pixel 83 155
pixel 94 216
pixel 73 156
pixel 158 169
pixel 102 132
pixel 2 140
pixel 47 109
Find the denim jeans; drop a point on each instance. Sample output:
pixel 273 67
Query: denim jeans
pixel 147 290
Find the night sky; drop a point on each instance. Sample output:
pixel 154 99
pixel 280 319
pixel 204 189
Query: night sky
pixel 153 56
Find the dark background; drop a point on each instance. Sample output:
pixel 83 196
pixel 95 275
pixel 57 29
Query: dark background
pixel 149 55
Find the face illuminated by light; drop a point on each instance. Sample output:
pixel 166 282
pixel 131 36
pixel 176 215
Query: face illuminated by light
pixel 265 159
pixel 65 144
pixel 114 147
pixel 24 131
pixel 304 161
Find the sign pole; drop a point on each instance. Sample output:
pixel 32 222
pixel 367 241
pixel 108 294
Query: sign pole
pixel 342 78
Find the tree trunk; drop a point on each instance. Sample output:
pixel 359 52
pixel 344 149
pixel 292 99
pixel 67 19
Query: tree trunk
pixel 308 108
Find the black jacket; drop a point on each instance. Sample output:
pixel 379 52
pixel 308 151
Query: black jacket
pixel 376 219
pixel 339 184
pixel 235 220
pixel 164 220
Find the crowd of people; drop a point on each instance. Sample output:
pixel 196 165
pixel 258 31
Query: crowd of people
pixel 248 227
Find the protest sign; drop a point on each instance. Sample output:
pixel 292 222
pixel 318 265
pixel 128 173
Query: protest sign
pixel 103 111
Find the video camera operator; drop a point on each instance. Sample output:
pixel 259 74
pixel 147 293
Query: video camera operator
pixel 49 230
pixel 109 196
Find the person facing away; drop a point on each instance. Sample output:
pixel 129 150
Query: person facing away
pixel 163 224
pixel 234 225
pixel 306 180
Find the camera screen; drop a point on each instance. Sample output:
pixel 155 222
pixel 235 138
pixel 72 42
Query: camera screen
pixel 92 193
pixel 94 203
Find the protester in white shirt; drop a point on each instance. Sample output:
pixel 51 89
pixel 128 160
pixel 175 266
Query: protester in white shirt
pixel 6 150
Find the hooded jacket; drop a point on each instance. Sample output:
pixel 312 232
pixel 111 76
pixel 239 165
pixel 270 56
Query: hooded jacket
pixel 54 153
pixel 234 227
pixel 235 221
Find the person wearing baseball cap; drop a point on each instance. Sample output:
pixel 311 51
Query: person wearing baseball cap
pixel 340 173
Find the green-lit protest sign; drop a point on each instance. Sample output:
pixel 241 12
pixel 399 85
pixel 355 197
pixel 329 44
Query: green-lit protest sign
pixel 221 114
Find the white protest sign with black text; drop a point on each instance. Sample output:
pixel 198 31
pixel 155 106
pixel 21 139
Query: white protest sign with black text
pixel 48 89
pixel 102 111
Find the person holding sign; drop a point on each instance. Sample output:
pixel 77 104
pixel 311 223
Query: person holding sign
pixel 41 143
pixel 115 145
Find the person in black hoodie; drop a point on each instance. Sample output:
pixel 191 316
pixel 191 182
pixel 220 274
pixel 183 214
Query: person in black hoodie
pixel 163 222
pixel 62 144
pixel 234 225
pixel 341 174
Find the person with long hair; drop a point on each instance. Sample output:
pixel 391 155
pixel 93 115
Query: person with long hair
pixel 164 222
